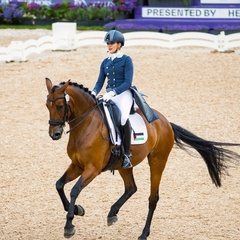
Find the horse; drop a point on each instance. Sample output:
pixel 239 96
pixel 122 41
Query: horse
pixel 89 148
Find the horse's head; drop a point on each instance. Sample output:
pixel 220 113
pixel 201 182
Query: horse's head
pixel 58 106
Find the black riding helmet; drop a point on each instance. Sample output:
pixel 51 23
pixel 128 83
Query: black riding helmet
pixel 114 36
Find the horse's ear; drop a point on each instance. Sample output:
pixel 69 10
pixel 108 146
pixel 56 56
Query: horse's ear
pixel 65 85
pixel 48 84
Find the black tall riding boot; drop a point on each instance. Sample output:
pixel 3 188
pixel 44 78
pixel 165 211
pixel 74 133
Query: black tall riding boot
pixel 126 138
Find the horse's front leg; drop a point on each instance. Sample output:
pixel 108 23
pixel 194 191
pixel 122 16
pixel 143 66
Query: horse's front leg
pixel 130 189
pixel 72 173
pixel 87 176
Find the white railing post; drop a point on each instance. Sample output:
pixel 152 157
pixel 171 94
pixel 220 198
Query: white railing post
pixel 221 42
pixel 64 35
pixel 15 52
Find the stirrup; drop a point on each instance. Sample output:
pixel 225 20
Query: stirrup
pixel 126 161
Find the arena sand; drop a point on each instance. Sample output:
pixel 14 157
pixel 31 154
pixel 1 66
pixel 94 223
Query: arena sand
pixel 192 87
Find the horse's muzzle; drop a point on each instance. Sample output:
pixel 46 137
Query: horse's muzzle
pixel 56 133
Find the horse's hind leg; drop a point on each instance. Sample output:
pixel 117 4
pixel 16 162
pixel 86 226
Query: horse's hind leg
pixel 72 173
pixel 130 189
pixel 157 166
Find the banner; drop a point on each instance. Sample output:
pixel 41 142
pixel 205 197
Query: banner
pixel 218 13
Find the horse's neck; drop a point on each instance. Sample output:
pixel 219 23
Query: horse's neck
pixel 83 102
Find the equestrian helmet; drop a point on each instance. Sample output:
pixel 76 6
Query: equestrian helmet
pixel 114 36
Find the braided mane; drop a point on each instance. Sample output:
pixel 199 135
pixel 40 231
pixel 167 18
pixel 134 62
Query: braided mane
pixel 80 86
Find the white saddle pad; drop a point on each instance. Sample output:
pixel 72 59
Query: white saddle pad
pixel 139 129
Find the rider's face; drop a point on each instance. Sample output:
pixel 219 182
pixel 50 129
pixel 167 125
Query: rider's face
pixel 113 47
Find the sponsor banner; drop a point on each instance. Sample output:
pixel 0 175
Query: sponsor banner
pixel 158 12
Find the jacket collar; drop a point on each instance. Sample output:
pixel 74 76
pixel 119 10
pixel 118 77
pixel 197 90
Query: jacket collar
pixel 119 54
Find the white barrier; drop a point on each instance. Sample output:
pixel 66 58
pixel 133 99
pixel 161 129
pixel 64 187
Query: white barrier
pixel 64 35
pixel 65 38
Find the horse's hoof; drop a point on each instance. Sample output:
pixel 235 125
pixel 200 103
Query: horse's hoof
pixel 141 238
pixel 68 233
pixel 112 220
pixel 80 210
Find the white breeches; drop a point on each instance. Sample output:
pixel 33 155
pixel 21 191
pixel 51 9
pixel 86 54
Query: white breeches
pixel 124 102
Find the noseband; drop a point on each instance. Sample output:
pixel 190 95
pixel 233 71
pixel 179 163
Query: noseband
pixel 65 118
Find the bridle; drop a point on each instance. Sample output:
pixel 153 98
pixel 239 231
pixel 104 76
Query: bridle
pixel 67 108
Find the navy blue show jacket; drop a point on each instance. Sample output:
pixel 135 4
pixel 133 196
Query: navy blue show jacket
pixel 119 74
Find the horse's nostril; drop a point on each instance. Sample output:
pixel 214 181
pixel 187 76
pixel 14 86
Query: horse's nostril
pixel 56 135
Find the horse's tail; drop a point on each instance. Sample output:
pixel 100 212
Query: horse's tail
pixel 213 153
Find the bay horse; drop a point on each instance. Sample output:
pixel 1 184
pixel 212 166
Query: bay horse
pixel 89 149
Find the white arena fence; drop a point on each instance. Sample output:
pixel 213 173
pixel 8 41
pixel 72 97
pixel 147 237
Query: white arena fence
pixel 65 38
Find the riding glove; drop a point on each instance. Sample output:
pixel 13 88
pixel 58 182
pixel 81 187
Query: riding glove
pixel 93 93
pixel 107 96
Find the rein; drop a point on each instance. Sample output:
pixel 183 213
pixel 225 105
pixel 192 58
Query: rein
pixel 84 115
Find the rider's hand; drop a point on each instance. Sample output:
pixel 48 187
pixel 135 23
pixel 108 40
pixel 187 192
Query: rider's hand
pixel 93 93
pixel 108 96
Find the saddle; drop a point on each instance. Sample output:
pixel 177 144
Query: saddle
pixel 115 117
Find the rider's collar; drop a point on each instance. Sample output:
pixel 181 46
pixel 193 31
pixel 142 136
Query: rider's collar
pixel 119 54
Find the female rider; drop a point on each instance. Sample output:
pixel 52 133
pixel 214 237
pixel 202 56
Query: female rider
pixel 118 69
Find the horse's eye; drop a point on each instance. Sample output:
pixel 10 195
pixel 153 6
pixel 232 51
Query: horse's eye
pixel 60 107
